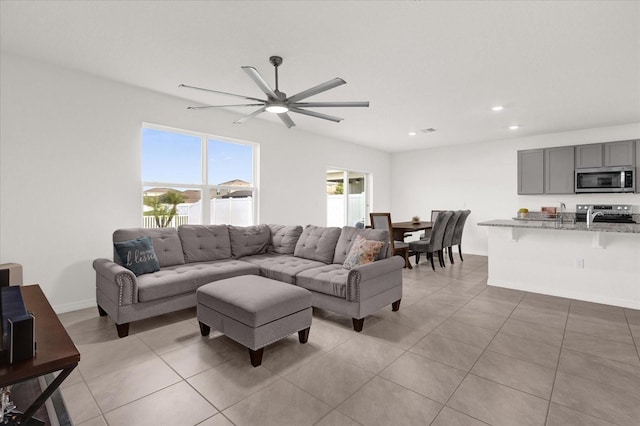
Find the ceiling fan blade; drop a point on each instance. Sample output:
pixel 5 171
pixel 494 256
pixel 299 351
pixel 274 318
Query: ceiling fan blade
pixel 316 89
pixel 250 116
pixel 221 93
pixel 316 114
pixel 329 104
pixel 222 106
pixel 262 84
pixel 286 120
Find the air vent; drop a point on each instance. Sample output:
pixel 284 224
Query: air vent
pixel 429 130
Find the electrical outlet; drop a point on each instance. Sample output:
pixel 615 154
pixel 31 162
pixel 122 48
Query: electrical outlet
pixel 579 263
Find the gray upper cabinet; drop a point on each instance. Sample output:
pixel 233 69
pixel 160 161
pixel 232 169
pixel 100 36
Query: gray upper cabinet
pixel 552 170
pixel 620 153
pixel 559 170
pixel 589 155
pixel 531 171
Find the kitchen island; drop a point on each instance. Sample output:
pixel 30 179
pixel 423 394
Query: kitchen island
pixel 597 264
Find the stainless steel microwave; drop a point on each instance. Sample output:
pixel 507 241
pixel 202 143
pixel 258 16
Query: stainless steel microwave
pixel 606 179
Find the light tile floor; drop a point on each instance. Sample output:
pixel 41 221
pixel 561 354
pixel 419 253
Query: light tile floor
pixel 457 353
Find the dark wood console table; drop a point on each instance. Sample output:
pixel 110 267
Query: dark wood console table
pixel 55 351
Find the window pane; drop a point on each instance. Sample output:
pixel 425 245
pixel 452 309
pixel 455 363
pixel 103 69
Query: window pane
pixel 335 198
pixel 356 208
pixel 171 207
pixel 230 163
pixel 171 157
pixel 234 208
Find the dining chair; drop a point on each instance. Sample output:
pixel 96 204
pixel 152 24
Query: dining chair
pixel 434 215
pixel 457 233
pixel 447 240
pixel 383 221
pixel 433 244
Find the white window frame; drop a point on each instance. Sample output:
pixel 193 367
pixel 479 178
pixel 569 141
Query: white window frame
pixel 205 187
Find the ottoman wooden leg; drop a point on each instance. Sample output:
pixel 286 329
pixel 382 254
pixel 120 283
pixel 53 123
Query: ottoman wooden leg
pixel 204 329
pixel 256 356
pixel 303 335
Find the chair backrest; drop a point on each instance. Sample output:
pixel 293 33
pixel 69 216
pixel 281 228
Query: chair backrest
pixel 383 221
pixel 457 233
pixel 434 214
pixel 437 231
pixel 449 230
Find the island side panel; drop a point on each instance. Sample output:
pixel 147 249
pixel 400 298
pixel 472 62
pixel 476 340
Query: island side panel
pixel 549 261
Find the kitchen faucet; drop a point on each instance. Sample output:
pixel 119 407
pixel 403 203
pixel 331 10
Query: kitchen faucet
pixel 591 215
pixel 560 217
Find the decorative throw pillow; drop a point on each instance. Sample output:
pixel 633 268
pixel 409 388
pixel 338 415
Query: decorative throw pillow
pixel 362 252
pixel 138 255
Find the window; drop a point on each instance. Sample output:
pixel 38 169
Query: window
pixel 196 178
pixel 347 202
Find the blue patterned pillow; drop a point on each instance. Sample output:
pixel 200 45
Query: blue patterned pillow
pixel 138 255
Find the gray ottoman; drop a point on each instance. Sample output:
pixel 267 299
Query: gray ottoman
pixel 254 311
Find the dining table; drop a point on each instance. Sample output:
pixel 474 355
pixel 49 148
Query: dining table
pixel 401 228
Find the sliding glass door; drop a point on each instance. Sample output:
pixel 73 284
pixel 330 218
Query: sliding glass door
pixel 347 200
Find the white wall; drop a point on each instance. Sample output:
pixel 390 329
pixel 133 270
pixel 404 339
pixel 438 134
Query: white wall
pixel 483 178
pixel 70 169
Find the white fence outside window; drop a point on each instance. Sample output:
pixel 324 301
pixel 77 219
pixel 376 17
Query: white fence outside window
pixel 335 210
pixel 230 211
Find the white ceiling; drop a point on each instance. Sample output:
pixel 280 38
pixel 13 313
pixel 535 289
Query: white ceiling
pixel 555 66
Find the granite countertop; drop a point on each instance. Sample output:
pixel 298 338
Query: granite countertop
pixel 627 228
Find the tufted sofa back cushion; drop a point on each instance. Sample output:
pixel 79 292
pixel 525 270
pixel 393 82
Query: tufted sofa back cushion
pixel 349 234
pixel 249 240
pixel 203 243
pixel 166 243
pixel 284 238
pixel 317 243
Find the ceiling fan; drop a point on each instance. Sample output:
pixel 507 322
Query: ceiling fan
pixel 277 102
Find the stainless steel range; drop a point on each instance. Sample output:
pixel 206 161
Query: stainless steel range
pixel 609 213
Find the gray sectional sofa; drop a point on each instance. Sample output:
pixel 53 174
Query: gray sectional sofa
pixel 194 255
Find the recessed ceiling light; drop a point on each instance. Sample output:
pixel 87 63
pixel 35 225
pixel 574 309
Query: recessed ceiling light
pixel 514 127
pixel 412 133
pixel 497 108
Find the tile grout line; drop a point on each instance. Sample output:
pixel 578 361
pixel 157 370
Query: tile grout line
pixel 475 362
pixel 633 339
pixel 555 373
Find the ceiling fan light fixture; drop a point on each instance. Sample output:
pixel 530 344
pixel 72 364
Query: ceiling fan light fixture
pixel 277 108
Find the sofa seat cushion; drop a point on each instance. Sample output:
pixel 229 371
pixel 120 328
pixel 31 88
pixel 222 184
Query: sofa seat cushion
pixel 180 279
pixel 281 267
pixel 327 279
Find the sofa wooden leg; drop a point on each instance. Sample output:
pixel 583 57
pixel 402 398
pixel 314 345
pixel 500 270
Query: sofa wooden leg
pixel 102 312
pixel 358 323
pixel 303 335
pixel 123 329
pixel 204 329
pixel 256 356
pixel 395 306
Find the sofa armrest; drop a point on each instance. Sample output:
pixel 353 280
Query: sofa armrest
pixel 373 278
pixel 116 282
